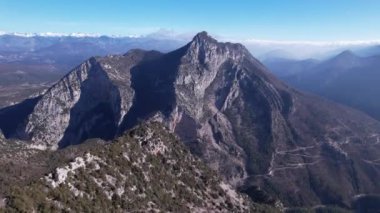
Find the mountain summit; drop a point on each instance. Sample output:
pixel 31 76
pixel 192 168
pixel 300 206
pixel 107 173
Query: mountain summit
pixel 203 37
pixel 228 109
pixel 346 59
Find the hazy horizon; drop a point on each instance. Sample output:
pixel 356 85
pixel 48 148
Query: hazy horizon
pixel 262 49
pixel 291 29
pixel 290 21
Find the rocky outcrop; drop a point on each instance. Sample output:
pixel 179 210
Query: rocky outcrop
pixel 146 170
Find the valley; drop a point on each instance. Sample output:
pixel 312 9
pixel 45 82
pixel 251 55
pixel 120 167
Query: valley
pixel 346 78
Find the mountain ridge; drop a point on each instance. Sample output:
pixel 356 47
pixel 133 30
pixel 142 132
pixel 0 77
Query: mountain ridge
pixel 346 78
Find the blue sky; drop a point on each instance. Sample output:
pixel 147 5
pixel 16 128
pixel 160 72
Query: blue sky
pixel 312 20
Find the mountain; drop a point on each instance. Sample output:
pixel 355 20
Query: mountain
pixel 346 78
pixel 263 137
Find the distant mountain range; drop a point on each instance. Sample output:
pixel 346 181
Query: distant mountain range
pixel 274 143
pixel 32 61
pixel 346 78
pixel 71 50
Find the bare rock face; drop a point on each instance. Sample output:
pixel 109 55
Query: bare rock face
pixel 89 102
pixel 1 136
pixel 209 96
pixel 51 116
pixel 198 69
pixel 258 133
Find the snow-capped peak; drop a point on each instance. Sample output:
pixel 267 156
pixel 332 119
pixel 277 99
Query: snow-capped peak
pixel 54 34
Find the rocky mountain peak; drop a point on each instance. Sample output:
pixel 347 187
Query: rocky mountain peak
pixel 207 51
pixel 202 37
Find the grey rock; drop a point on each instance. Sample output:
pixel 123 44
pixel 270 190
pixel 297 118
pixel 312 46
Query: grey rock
pixel 1 135
pixel 90 101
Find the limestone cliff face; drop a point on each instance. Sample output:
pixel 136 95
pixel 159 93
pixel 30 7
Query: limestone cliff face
pixel 89 102
pixel 212 86
pixel 198 69
pixel 51 115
